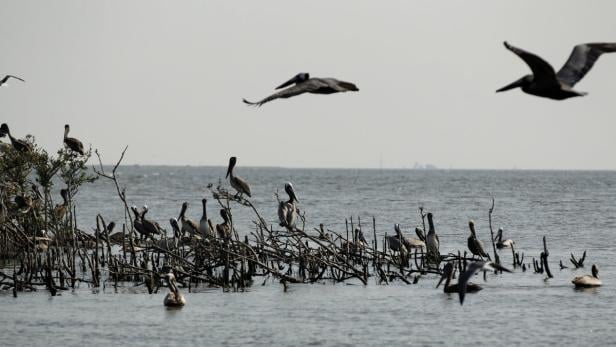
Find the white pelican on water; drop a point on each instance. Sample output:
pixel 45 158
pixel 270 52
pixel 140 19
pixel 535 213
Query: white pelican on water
pixel 588 280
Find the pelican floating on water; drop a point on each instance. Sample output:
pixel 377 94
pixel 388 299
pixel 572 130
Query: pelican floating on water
pixel 500 243
pixel 305 84
pixel 287 211
pixel 236 182
pixel 455 287
pixel 72 143
pixel 174 298
pixel 19 145
pixel 546 82
pixel 474 244
pixel 6 79
pixel 588 280
pixel 470 272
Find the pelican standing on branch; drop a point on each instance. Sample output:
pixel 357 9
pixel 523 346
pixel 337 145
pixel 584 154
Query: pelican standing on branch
pixel 71 142
pixel 432 241
pixel 548 83
pixel 287 210
pixel 474 244
pixel 236 182
pixel 19 145
pixel 188 225
pixel 305 84
pixel 6 79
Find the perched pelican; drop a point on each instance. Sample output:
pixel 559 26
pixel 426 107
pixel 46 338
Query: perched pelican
pixel 188 225
pixel 71 142
pixel 420 234
pixel 19 145
pixel 409 242
pixel 475 245
pixel 176 228
pixel 174 298
pixel 432 241
pixel 204 223
pixel 546 82
pixel 357 244
pixel 236 182
pixel 151 227
pixel 287 211
pixel 224 230
pixel 138 223
pixel 455 288
pixel 471 270
pixel 6 78
pixel 500 243
pixel 588 280
pixel 396 242
pixel 60 209
pixel 305 84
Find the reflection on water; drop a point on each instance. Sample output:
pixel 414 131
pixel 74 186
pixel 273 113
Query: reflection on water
pixel 575 210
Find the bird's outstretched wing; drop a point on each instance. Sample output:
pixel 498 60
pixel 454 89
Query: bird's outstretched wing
pixel 470 272
pixel 581 60
pixel 301 88
pixel 541 69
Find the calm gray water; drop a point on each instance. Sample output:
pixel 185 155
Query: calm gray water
pixel 575 210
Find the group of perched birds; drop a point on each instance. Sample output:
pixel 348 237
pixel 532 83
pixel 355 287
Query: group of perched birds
pixel 21 145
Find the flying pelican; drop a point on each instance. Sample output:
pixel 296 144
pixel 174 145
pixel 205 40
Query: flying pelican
pixel 287 211
pixel 151 227
pixel 204 223
pixel 6 78
pixel 224 230
pixel 71 142
pixel 503 244
pixel 546 82
pixel 19 145
pixel 475 245
pixel 305 84
pixel 455 288
pixel 432 241
pixel 588 280
pixel 471 270
pixel 174 298
pixel 188 225
pixel 236 182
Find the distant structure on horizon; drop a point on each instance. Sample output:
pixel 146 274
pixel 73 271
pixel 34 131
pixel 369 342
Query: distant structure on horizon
pixel 418 166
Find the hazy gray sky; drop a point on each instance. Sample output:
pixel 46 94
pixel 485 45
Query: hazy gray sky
pixel 167 79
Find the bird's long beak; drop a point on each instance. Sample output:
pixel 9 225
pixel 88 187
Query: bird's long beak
pixel 229 168
pixel 440 281
pixel 515 84
pixel 288 83
pixel 293 196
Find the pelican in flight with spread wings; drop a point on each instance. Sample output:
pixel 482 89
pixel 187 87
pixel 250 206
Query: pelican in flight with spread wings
pixel 305 84
pixel 548 83
pixel 6 79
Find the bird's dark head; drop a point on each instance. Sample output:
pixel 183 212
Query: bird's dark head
pixel 595 271
pixel 4 129
pixel 521 83
pixel 224 214
pixel 232 162
pixel 288 187
pixel 471 225
pixel 299 78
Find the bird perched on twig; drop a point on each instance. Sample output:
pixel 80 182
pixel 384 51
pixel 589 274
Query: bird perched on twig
pixel 72 143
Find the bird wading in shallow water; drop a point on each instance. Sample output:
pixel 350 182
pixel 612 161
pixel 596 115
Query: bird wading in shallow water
pixel 546 82
pixel 304 84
